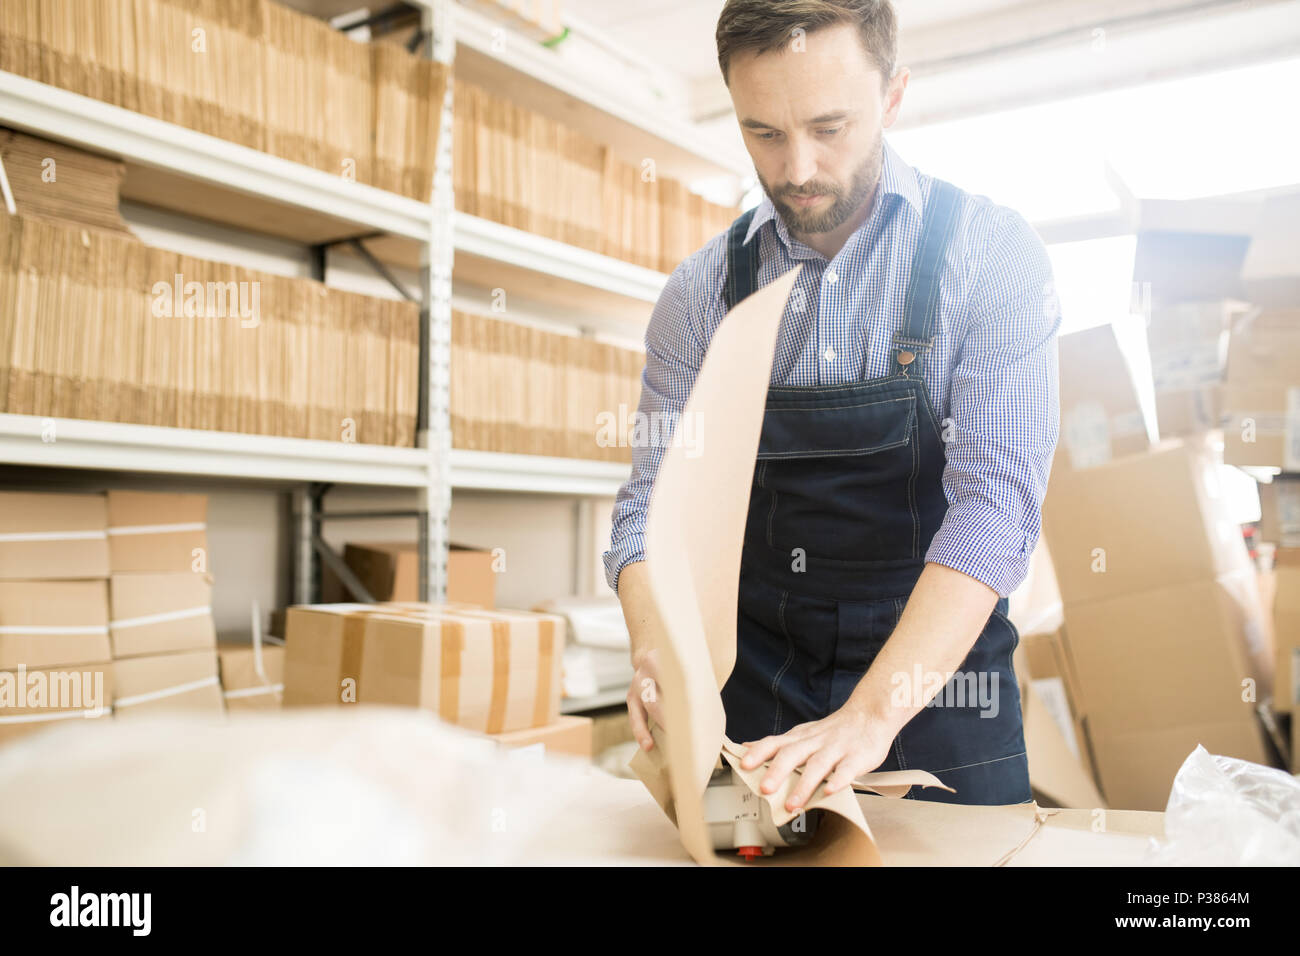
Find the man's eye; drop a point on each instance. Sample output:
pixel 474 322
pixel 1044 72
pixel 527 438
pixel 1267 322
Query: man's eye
pixel 767 136
pixel 831 131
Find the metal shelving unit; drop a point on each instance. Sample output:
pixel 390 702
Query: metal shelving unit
pixel 207 178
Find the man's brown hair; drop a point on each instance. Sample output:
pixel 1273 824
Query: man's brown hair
pixel 763 25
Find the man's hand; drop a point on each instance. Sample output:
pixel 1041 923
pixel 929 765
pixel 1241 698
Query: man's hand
pixel 643 699
pixel 837 749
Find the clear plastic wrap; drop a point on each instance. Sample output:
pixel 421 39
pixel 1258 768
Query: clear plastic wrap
pixel 1228 812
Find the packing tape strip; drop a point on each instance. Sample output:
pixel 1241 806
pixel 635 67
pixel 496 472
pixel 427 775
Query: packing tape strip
pixel 500 677
pixel 253 691
pixel 160 618
pixel 56 715
pixel 159 528
pixel 53 629
pixel 12 536
pixel 165 692
pixel 545 652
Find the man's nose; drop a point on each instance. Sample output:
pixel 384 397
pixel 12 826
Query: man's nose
pixel 800 162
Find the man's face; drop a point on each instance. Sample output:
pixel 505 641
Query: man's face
pixel 812 121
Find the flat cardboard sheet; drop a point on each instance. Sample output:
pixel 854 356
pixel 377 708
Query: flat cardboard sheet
pixel 694 533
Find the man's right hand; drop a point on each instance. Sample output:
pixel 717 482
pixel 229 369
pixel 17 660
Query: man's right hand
pixel 643 700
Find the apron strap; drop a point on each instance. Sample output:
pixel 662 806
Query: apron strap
pixel 742 262
pixel 921 310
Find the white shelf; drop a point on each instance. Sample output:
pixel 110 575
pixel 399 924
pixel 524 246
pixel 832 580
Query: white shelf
pixel 540 78
pixel 183 154
pixel 497 471
pixel 112 446
pixel 550 257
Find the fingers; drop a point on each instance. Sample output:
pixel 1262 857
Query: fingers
pixel 636 715
pixel 791 755
pixel 844 774
pixel 760 751
pixel 814 772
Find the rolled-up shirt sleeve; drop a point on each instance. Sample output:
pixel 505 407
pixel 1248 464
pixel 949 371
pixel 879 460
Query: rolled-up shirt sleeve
pixel 674 352
pixel 1004 412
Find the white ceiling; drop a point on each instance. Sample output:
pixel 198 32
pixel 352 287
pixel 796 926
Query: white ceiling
pixel 682 30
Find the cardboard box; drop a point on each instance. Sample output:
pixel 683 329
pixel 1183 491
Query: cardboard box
pixel 39 698
pixel 491 671
pixel 390 571
pixel 1261 425
pixel 322 663
pixel 1189 349
pixel 49 623
pixel 322 654
pixel 160 613
pixel 1279 508
pixel 52 536
pixel 1055 770
pixel 1286 631
pixel 1044 669
pixel 1102 417
pixel 148 531
pixel 570 735
pixel 1187 411
pixel 1141 523
pixel 1136 767
pixel 167 682
pixel 1192 250
pixel 244 684
pixel 1261 395
pixel 1173 656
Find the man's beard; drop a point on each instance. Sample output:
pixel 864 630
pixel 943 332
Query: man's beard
pixel 844 203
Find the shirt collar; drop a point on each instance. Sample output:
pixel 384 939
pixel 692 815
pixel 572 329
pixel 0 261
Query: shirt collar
pixel 896 179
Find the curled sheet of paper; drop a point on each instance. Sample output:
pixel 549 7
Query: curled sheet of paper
pixel 694 532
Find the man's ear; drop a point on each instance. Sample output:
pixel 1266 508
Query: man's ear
pixel 894 96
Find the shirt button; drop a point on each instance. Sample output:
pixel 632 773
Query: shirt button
pixel 829 355
pixel 832 276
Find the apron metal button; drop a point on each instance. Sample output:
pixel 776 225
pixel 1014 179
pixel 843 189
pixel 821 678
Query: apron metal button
pixel 906 358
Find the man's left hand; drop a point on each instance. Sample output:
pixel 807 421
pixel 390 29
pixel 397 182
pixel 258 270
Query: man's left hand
pixel 837 749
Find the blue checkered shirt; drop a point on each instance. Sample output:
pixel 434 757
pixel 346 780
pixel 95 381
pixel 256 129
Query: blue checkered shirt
pixel 991 375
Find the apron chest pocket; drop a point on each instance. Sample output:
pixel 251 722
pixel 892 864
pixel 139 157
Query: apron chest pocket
pixel 862 426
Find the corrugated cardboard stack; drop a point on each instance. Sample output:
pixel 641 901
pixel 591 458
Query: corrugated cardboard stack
pixel 522 169
pixel 160 598
pixel 54 636
pixel 182 342
pixel 1163 616
pixel 493 671
pixel 68 185
pixel 523 390
pixel 249 72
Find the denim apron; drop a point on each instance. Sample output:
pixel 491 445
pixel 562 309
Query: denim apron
pixel 847 494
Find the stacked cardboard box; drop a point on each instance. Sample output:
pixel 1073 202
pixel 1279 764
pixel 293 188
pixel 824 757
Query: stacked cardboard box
pixel 160 596
pixel 1163 616
pixel 1189 350
pixel 522 169
pixel 494 671
pixel 252 675
pixel 1102 413
pixel 571 735
pixel 390 571
pixel 523 390
pixel 250 72
pixel 54 634
pixel 1261 393
pixel 1056 741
